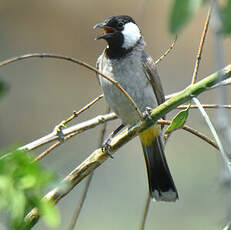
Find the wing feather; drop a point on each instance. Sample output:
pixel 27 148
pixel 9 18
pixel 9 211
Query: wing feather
pixel 153 77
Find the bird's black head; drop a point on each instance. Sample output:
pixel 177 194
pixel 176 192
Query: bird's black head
pixel 121 34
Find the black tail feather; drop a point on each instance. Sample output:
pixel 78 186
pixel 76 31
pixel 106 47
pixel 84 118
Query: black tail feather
pixel 161 184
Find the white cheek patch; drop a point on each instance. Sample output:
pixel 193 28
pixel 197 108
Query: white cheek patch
pixel 131 34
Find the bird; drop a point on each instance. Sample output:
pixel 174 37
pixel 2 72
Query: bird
pixel 125 61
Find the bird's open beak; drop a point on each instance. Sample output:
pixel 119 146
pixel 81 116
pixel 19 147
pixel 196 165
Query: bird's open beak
pixel 107 29
pixel 99 25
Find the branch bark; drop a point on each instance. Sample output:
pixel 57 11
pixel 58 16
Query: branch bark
pixel 98 156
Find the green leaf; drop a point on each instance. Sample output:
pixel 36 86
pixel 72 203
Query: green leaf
pixel 22 185
pixel 226 18
pixel 17 205
pixel 5 182
pixel 181 13
pixel 178 121
pixel 3 88
pixel 27 182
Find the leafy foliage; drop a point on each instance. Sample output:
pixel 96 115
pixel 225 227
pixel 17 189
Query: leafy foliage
pixel 22 184
pixel 178 121
pixel 226 18
pixel 183 10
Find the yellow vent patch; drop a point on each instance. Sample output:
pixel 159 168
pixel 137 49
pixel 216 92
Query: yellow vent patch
pixel 148 136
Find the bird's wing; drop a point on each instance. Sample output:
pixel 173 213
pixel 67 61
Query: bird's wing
pixel 153 77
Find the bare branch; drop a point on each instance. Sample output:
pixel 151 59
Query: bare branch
pixel 78 128
pixel 146 209
pixel 106 118
pixel 112 116
pixel 88 166
pixel 98 156
pixel 89 179
pixel 76 61
pixel 198 59
pixel 206 106
pixel 76 114
pixel 63 123
pixel 166 52
pixel 54 146
pixel 192 131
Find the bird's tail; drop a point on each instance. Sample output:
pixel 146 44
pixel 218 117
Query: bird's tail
pixel 161 184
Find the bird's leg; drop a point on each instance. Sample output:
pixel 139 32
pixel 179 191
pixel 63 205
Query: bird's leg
pixel 106 144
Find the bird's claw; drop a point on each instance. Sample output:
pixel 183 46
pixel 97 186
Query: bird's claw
pixel 106 147
pixel 59 131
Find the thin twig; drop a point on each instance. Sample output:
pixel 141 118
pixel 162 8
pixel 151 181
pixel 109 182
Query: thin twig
pixel 78 128
pixel 89 179
pixel 166 52
pixel 198 59
pixel 108 118
pixel 206 106
pixel 54 146
pixel 200 135
pixel 200 50
pixel 145 215
pixel 192 131
pixel 76 114
pixel 44 153
pixel 83 198
pixel 79 62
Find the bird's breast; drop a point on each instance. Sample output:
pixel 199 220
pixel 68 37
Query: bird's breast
pixel 129 73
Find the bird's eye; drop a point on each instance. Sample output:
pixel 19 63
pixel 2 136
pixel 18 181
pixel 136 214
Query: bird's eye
pixel 120 25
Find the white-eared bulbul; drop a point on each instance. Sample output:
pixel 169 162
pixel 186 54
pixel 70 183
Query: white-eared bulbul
pixel 125 60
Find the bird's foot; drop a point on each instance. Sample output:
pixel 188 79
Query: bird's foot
pixel 106 147
pixel 59 131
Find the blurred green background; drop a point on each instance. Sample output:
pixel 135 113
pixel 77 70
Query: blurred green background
pixel 44 91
